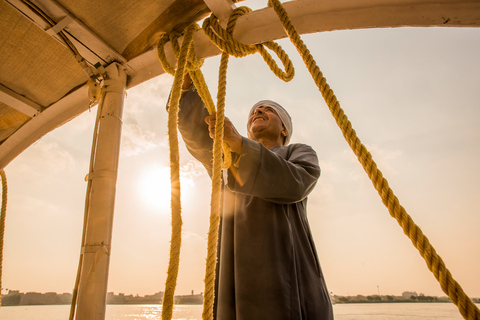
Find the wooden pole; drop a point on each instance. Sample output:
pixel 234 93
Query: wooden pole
pixel 92 291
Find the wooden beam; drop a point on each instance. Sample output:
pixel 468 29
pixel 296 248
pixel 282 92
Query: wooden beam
pixel 222 9
pixel 92 47
pixel 53 117
pixel 19 102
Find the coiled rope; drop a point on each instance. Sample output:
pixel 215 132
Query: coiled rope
pixel 2 222
pixel 434 261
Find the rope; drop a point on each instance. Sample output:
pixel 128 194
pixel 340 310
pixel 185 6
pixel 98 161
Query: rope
pixel 209 295
pixel 225 42
pixel 187 60
pixel 434 261
pixel 176 237
pixel 2 223
pixel 193 67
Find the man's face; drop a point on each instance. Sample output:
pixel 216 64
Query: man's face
pixel 264 122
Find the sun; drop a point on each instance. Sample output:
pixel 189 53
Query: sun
pixel 155 188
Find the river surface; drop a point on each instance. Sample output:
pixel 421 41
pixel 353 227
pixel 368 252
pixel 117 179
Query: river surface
pixel 368 311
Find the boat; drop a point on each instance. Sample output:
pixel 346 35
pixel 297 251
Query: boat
pixel 60 58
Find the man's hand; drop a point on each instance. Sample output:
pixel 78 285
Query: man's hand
pixel 230 134
pixel 187 82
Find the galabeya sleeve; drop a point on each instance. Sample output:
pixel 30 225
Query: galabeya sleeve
pixel 283 175
pixel 194 130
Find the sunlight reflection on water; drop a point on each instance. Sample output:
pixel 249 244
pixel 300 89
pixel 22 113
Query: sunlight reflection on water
pixel 383 311
pixel 151 312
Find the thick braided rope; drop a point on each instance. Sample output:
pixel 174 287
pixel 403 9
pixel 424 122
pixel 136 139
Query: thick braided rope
pixel 2 222
pixel 434 262
pixel 190 64
pixel 193 68
pixel 215 205
pixel 176 237
pixel 209 296
pixel 229 46
pixel 225 42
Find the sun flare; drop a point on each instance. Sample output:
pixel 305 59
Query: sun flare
pixel 155 188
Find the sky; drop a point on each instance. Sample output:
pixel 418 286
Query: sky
pixel 412 95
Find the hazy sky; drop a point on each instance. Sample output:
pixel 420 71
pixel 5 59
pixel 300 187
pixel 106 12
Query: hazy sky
pixel 412 95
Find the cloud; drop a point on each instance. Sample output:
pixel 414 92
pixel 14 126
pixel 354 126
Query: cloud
pixel 192 169
pixel 384 158
pixel 49 157
pixel 189 236
pixel 145 117
pixel 135 140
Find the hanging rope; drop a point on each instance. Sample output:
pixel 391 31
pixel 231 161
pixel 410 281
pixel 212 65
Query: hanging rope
pixel 434 261
pixel 176 237
pixel 2 223
pixel 209 295
pixel 187 61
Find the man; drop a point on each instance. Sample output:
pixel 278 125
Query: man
pixel 267 262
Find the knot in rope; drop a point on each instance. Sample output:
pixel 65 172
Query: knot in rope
pixel 224 40
pixel 192 64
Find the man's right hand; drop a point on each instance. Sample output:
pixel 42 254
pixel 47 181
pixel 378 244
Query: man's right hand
pixel 230 133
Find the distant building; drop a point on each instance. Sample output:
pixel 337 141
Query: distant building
pixel 189 299
pixel 409 294
pixel 121 298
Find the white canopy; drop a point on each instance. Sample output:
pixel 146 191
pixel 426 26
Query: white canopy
pixel 42 85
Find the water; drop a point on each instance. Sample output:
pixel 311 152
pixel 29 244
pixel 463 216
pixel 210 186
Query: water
pixel 383 311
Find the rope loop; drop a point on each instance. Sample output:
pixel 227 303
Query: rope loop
pixel 161 54
pixel 192 63
pixel 225 41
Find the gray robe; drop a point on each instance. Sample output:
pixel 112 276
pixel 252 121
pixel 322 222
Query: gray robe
pixel 267 265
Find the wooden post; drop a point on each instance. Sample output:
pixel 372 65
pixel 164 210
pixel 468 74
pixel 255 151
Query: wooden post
pixel 92 291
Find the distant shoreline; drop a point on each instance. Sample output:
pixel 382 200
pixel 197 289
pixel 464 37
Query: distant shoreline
pixel 17 298
pixel 406 297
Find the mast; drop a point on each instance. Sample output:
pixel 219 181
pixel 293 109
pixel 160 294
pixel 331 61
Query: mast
pixel 96 245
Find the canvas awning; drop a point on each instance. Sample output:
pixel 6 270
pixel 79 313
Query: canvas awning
pixel 42 85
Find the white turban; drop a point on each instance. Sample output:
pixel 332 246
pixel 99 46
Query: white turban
pixel 282 113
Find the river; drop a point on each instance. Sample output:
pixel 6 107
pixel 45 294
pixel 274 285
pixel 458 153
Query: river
pixel 368 311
